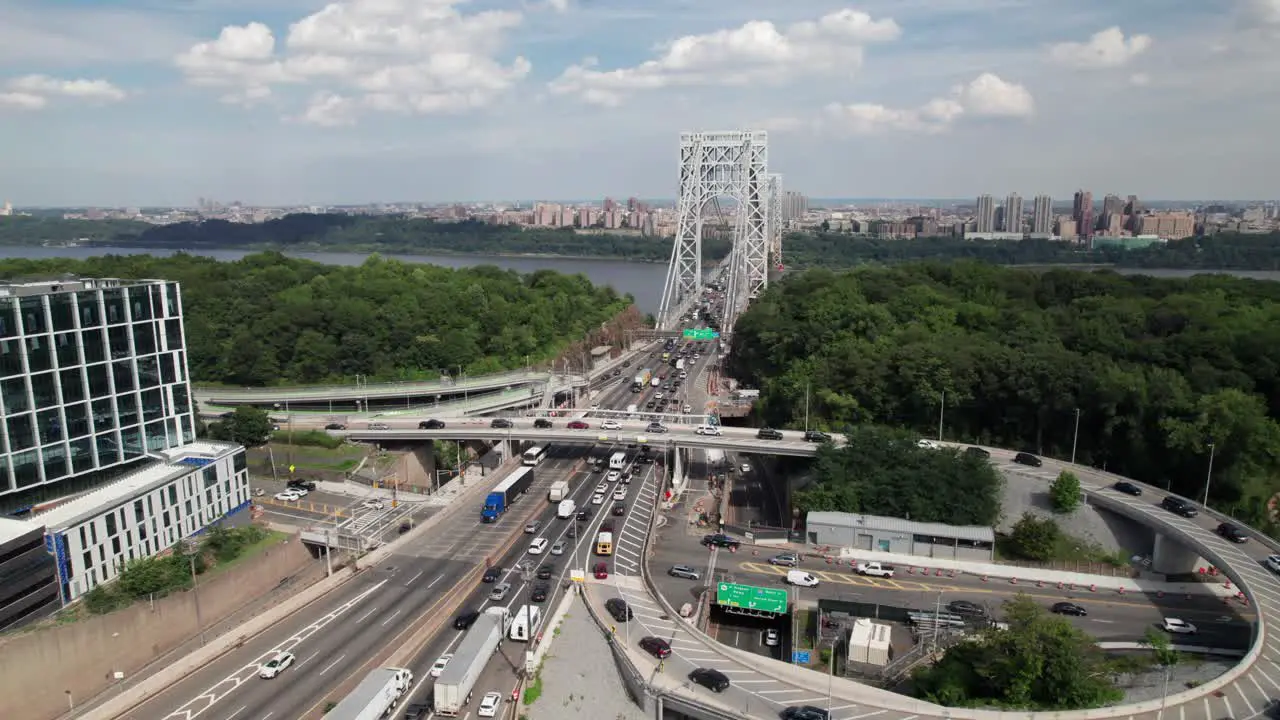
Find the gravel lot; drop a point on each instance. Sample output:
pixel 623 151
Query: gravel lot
pixel 1026 492
pixel 1150 685
pixel 579 677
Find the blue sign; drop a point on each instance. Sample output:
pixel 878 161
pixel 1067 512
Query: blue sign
pixel 196 461
pixel 800 657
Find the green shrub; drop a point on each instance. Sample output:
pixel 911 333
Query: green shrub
pixel 313 438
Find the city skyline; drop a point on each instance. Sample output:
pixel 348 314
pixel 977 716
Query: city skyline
pixel 283 102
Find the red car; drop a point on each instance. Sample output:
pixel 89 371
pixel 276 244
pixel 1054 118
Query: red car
pixel 602 570
pixel 578 425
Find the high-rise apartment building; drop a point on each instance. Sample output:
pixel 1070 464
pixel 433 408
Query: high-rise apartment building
pixel 985 214
pixel 1112 204
pixel 1013 213
pixel 1042 215
pixel 794 206
pixel 1067 228
pixel 93 377
pixel 1082 213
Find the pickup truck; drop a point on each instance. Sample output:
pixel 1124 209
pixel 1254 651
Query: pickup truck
pixel 875 569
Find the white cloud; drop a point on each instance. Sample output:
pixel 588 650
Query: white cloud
pixel 1105 49
pixel 1140 79
pixel 754 52
pixel 32 92
pixel 414 56
pixel 985 96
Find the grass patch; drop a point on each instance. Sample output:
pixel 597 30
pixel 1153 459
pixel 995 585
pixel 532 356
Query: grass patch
pixel 272 537
pixel 1066 548
pixel 534 690
pixel 807 626
pixel 311 438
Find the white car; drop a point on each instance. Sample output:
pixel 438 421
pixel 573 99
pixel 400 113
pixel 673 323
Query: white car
pixel 610 425
pixel 620 493
pixel 1273 563
pixel 657 396
pixel 275 665
pixel 597 499
pixel 538 546
pixel 688 409
pixel 288 496
pixel 614 475
pixel 602 487
pixel 440 665
pixel 595 406
pixel 929 444
pixel 489 705
pixel 558 548
pixel 1178 627
pixel 707 429
pixel 771 637
pixel 372 505
pixel 746 467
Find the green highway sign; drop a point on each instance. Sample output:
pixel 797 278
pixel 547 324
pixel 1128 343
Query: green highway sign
pixel 700 334
pixel 769 600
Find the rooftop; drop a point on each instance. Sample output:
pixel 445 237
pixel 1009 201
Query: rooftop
pixel 11 529
pixel 48 286
pixel 975 533
pixel 168 464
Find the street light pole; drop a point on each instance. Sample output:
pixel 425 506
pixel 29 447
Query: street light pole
pixel 195 597
pixel 942 412
pixel 1208 476
pixel 1075 437
pixel 937 621
pixel 806 406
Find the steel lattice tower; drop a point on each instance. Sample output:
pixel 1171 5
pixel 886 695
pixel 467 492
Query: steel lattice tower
pixel 734 165
pixel 775 220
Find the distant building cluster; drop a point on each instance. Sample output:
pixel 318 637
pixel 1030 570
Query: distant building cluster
pixel 1119 218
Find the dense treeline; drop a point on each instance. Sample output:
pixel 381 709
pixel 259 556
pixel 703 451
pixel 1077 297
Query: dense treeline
pixel 271 319
pixel 1158 369
pixel 881 471
pixel 366 233
pixel 1227 251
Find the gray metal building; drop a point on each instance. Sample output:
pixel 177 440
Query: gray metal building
pixel 905 537
pixel 28 582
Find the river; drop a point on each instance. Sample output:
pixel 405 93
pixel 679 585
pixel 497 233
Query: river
pixel 643 281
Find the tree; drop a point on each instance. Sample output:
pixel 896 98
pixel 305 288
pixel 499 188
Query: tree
pixel 248 426
pixel 1035 538
pixel 1065 492
pixel 1041 662
pixel 1161 647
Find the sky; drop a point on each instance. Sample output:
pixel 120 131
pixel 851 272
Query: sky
pixel 279 102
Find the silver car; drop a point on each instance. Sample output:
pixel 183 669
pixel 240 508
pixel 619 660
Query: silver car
pixel 499 592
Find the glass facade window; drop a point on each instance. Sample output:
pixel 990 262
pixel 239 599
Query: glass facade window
pixel 91 380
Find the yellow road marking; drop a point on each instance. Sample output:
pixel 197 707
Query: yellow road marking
pixel 998 589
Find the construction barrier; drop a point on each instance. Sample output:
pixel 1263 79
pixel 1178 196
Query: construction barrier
pixel 1227 585
pixel 1059 584
pixel 953 573
pixel 755 552
pixel 911 570
pixel 1093 588
pixel 1039 583
pixel 828 560
pixel 1121 589
pixel 984 578
pixel 1159 593
pixel 939 573
pixel 1013 581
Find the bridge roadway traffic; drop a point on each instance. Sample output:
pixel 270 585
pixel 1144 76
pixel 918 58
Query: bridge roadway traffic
pixel 762 687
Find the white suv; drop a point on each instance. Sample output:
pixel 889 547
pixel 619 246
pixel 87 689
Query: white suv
pixel 708 430
pixel 538 546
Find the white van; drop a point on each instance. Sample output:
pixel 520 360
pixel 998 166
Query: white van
pixel 525 625
pixel 801 578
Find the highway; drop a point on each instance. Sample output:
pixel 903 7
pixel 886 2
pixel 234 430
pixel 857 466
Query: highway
pixel 629 529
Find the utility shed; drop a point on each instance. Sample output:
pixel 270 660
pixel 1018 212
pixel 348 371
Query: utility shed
pixel 972 543
pixel 600 355
pixel 869 643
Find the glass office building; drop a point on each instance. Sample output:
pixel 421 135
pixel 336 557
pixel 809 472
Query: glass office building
pixel 93 377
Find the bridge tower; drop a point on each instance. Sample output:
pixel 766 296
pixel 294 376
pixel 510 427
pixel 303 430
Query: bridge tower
pixel 733 165
pixel 775 222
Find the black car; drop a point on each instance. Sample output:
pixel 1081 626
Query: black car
pixel 606 526
pixel 584 515
pixel 713 680
pixel 573 531
pixel 769 434
pixel 804 712
pixel 543 424
pixel 335 426
pixel 816 436
pixel 431 425
pixel 417 711
pixel 540 592
pixel 619 510
pixel 619 609
pixel 720 540
pixel 545 572
pixel 1028 459
pixel 655 646
pixel 1178 506
pixel 964 607
pixel 492 574
pixel 466 619
pixel 617 372
pixel 1232 533
pixel 501 423
pixel 1066 608
pixel 1127 488
pixel 304 484
pixel 657 428
pixel 978 453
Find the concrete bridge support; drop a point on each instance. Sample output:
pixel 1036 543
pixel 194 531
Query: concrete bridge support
pixel 418 468
pixel 1172 557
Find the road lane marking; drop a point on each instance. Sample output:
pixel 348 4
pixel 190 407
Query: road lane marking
pixel 329 667
pixel 309 659
pixel 433 582
pixel 365 616
pixel 228 685
pixel 415 577
pixel 393 617
pixel 237 712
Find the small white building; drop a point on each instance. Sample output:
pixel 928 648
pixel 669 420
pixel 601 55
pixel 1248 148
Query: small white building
pixel 870 643
pixel 144 513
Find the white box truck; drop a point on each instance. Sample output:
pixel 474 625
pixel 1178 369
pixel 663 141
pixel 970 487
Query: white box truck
pixel 566 509
pixel 375 697
pixel 559 491
pixel 455 685
pixel 525 624
pixel 618 461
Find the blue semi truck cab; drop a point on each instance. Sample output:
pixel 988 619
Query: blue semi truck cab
pixel 501 498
